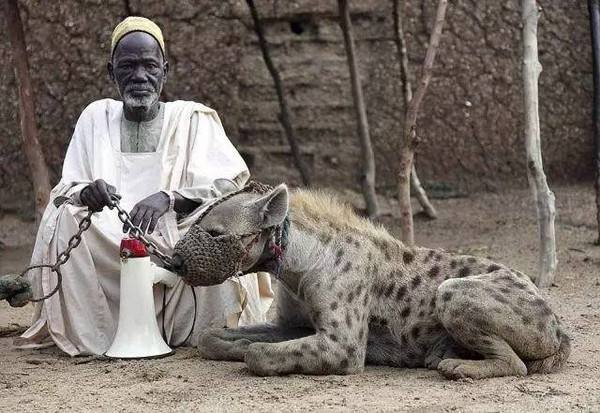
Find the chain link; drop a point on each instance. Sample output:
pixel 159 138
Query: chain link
pixel 74 241
pixel 62 258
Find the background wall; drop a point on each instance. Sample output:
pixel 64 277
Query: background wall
pixel 471 122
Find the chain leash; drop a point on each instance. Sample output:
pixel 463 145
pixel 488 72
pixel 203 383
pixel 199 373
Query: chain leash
pixel 62 258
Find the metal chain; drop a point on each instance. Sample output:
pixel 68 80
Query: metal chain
pixel 63 257
pixel 137 233
pixel 75 240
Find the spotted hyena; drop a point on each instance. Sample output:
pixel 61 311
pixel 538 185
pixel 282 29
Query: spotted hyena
pixel 352 293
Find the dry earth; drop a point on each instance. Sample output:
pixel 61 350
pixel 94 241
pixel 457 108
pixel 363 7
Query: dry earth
pixel 501 226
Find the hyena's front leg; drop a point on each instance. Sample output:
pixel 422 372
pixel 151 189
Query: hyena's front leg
pixel 232 343
pixel 337 347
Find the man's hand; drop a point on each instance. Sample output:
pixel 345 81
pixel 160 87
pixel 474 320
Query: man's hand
pixel 145 214
pixel 97 195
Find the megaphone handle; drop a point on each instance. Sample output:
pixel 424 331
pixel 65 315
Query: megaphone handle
pixel 164 276
pixel 164 306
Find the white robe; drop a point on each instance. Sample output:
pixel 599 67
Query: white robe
pixel 82 317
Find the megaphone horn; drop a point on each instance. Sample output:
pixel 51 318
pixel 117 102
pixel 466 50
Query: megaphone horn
pixel 137 333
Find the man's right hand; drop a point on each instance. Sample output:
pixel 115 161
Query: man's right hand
pixel 97 195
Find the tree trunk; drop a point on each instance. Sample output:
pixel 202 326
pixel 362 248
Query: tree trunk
pixel 400 41
pixel 368 159
pixel 410 128
pixel 544 198
pixel 594 10
pixel 284 115
pixel 31 145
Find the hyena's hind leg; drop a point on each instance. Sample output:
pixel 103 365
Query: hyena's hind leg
pixel 446 348
pixel 383 348
pixel 232 343
pixel 501 317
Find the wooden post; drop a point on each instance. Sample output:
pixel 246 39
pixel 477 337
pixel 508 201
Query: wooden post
pixel 400 40
pixel 284 115
pixel 594 11
pixel 368 158
pixel 30 142
pixel 544 198
pixel 410 128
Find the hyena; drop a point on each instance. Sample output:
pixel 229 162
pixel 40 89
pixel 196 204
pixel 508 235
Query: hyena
pixel 353 294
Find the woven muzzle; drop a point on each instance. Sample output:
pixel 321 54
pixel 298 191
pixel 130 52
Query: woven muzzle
pixel 208 260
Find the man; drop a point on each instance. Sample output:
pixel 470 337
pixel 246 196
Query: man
pixel 165 160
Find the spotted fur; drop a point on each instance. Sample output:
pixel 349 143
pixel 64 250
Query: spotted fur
pixel 351 293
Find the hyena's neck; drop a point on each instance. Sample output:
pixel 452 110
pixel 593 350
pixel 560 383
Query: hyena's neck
pixel 303 255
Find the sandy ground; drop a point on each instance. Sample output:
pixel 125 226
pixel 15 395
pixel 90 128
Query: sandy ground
pixel 500 226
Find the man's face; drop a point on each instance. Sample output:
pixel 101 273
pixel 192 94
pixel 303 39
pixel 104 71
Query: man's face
pixel 139 70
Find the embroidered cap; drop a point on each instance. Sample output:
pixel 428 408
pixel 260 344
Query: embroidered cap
pixel 136 24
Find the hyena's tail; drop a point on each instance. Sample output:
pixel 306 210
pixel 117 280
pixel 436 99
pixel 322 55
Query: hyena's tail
pixel 554 362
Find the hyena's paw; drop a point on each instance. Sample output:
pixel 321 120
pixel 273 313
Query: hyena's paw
pixel 456 369
pixel 443 349
pixel 432 361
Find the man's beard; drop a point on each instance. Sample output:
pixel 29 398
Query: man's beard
pixel 143 102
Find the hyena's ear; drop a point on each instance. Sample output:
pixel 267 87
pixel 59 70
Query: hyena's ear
pixel 272 208
pixel 224 186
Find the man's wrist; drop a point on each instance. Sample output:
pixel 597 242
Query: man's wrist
pixel 76 195
pixel 184 205
pixel 171 196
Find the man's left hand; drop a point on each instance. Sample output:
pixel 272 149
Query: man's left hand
pixel 145 214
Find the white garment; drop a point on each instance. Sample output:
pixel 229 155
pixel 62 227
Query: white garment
pixel 82 317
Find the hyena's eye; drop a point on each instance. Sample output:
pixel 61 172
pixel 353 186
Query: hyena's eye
pixel 214 233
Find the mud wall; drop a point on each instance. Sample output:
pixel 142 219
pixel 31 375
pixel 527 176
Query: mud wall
pixel 471 124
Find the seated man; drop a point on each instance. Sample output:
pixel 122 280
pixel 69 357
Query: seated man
pixel 164 160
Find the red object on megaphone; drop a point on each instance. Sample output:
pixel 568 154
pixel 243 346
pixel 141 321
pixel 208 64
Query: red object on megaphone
pixel 133 248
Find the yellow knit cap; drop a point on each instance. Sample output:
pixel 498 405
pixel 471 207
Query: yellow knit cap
pixel 136 24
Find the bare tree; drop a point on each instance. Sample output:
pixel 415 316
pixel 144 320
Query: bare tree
pixel 410 128
pixel 368 158
pixel 594 11
pixel 30 142
pixel 284 115
pixel 400 41
pixel 543 196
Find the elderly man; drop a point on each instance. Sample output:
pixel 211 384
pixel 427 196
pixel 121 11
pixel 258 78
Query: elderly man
pixel 165 160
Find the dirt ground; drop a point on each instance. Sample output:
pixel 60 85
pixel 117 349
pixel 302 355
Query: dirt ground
pixel 501 226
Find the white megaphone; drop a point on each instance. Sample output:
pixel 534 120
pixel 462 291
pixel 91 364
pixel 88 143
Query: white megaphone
pixel 137 334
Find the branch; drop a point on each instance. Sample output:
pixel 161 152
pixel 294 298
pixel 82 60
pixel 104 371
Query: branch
pixel 410 128
pixel 427 71
pixel 368 158
pixel 284 115
pixel 400 41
